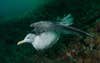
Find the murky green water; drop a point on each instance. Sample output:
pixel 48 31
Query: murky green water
pixel 17 15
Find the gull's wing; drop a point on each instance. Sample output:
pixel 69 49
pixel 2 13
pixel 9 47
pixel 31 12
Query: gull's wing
pixel 66 28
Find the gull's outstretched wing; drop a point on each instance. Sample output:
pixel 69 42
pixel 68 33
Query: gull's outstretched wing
pixel 71 29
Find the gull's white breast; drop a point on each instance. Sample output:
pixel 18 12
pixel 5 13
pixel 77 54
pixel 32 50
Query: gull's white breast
pixel 45 40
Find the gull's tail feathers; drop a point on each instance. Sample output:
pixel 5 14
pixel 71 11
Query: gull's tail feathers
pixel 67 20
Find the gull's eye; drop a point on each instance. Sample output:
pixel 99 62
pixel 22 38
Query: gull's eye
pixel 27 37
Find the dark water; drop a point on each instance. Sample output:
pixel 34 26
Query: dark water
pixel 14 29
pixel 18 7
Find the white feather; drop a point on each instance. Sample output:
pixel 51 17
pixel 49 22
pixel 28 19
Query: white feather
pixel 45 40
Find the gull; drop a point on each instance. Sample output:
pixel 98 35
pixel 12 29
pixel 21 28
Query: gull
pixel 47 33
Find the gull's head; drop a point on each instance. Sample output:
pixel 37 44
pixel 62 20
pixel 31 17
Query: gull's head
pixel 29 38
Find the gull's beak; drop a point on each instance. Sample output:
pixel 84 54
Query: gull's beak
pixel 20 42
